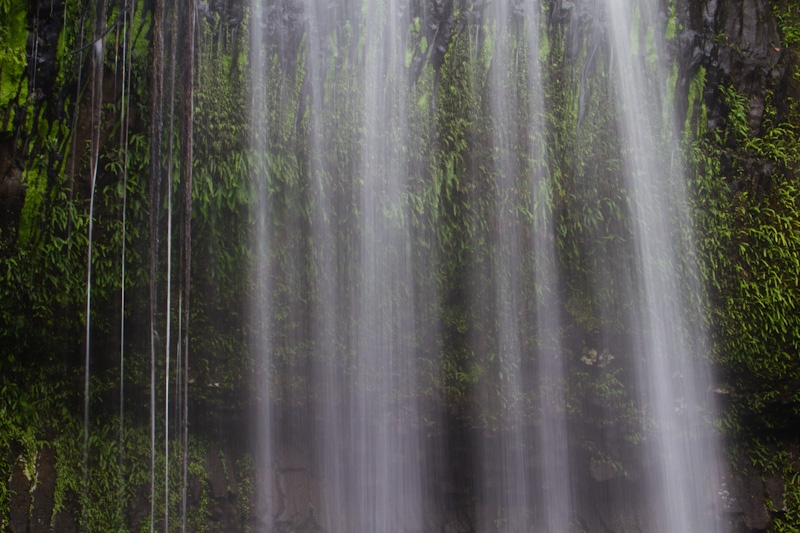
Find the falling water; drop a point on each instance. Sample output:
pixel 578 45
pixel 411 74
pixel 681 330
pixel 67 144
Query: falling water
pixel 385 445
pixel 533 484
pixel 260 311
pixel 552 438
pixel 506 487
pixel 329 311
pixel 672 380
pixel 346 278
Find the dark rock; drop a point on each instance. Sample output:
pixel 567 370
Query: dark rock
pixel 295 496
pixel 440 21
pixel 233 486
pixel 223 512
pixel 43 492
pixel 743 495
pixel 291 458
pixel 64 522
pixel 776 491
pixel 139 506
pixel 601 471
pixel 738 44
pixel 20 499
pixel 12 193
pixel 216 475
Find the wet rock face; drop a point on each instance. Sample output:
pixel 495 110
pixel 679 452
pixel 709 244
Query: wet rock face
pixel 32 488
pixel 295 503
pixel 224 490
pixel 737 43
pixel 12 192
pixel 43 493
pixel 19 486
pixel 748 498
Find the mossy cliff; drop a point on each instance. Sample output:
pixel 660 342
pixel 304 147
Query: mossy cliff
pixel 734 83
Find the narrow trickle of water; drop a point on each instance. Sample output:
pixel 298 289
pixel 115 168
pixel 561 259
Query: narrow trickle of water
pixel 261 312
pixel 668 334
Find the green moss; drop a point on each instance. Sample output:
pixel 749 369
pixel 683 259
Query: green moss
pixel 544 40
pixel 694 126
pixel 13 53
pixel 672 22
pixel 751 245
pixel 416 44
pixel 650 50
pixel 670 32
pixel 787 518
pixel 787 14
pixel 361 43
pixel 37 184
pixel 66 44
pixel 487 50
pixel 423 102
pixel 634 35
pixel 672 81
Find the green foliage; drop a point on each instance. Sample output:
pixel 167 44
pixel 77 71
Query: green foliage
pixel 761 321
pixel 780 130
pixel 672 24
pixel 49 271
pixel 245 474
pixel 773 459
pixel 696 118
pixel 598 381
pixel 592 201
pixel 198 516
pixel 787 13
pixel 751 244
pixel 20 416
pixel 45 415
pixel 13 37
pixel 313 157
pixel 787 518
pixel 42 415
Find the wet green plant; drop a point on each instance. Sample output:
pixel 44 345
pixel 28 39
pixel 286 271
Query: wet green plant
pixel 787 13
pixel 787 518
pixel 748 213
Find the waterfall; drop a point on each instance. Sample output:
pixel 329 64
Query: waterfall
pixel 329 378
pixel 385 446
pixel 556 503
pixel 508 499
pixel 531 442
pixel 261 271
pixel 668 337
pixel 355 309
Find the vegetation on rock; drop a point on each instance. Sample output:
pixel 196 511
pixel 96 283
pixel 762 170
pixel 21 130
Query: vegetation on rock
pixel 745 163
